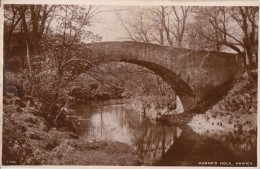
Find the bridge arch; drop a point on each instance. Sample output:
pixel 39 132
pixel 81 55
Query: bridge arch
pixel 185 95
pixel 188 72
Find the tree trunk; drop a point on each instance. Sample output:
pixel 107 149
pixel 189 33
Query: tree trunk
pixel 28 58
pixel 247 67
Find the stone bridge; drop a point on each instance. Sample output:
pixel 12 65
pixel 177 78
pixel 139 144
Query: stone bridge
pixel 191 74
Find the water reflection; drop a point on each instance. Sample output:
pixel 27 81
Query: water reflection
pixel 159 144
pixel 237 142
pixel 110 121
pixel 152 141
pixel 191 148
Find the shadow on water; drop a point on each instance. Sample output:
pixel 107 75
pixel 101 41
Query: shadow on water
pixel 192 148
pixel 159 144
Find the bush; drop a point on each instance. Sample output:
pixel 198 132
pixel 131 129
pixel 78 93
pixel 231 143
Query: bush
pixel 16 150
pixel 16 80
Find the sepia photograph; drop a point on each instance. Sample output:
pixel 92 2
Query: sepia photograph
pixel 129 85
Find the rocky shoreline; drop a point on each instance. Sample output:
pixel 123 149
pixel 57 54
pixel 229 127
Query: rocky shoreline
pixel 236 111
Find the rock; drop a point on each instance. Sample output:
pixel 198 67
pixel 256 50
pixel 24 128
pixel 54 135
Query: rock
pixel 207 118
pixel 172 112
pixel 124 94
pixel 245 75
pixel 213 114
pixel 164 111
pixel 228 116
pixel 216 108
pixel 222 107
pixel 208 114
pixel 219 115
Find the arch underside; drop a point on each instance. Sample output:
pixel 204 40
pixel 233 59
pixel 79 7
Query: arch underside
pixel 179 86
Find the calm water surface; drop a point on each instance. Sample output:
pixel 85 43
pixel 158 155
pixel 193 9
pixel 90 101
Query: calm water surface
pixel 160 144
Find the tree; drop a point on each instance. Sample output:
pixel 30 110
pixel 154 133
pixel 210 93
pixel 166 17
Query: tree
pixel 178 24
pixel 163 25
pixel 25 24
pixel 158 18
pixel 53 50
pixel 233 27
pixel 35 27
pixel 195 39
pixel 247 19
pixel 12 17
pixel 64 56
pixel 137 25
pixel 197 29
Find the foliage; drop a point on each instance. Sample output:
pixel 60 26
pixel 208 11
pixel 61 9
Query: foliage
pixel 53 53
pixel 242 98
pixel 16 149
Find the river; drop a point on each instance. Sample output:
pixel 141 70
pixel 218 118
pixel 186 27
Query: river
pixel 161 144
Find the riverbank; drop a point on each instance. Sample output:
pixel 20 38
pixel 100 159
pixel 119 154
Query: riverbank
pixel 28 139
pixel 236 111
pixel 152 107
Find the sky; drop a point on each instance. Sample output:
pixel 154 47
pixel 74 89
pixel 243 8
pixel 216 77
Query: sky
pixel 109 25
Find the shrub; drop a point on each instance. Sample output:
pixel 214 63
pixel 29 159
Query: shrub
pixel 16 150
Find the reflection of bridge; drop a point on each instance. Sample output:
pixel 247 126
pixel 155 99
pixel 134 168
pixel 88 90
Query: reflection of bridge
pixel 190 74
